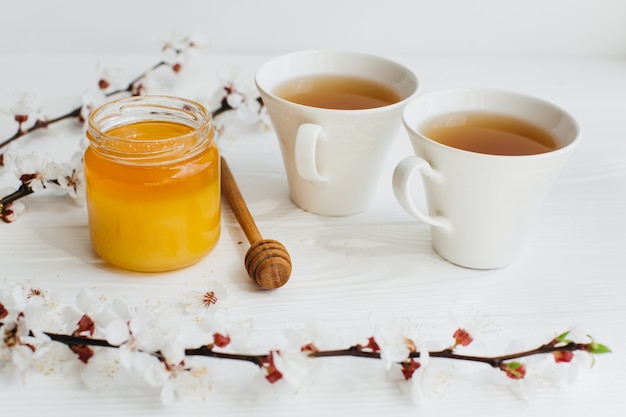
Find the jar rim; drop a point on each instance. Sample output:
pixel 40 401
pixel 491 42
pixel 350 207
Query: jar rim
pixel 150 108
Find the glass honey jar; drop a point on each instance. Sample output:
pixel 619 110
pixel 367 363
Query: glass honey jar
pixel 152 173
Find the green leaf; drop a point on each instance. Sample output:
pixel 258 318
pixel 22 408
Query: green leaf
pixel 563 337
pixel 598 348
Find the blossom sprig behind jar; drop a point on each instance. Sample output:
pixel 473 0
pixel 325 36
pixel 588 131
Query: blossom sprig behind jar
pixel 152 174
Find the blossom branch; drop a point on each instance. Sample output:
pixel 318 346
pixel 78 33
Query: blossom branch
pixel 448 353
pixel 134 87
pixel 225 104
pixel 207 350
pixel 39 124
pixel 7 211
pixel 135 336
pixel 369 351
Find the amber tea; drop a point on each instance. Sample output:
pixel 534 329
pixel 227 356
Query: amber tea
pixel 490 133
pixel 337 92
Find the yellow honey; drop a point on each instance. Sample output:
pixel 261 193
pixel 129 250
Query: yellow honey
pixel 153 183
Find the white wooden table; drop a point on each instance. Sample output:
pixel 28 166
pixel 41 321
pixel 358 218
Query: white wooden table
pixel 377 266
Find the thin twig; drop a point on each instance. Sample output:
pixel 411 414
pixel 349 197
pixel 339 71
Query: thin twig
pixel 40 124
pixel 23 191
pixel 353 351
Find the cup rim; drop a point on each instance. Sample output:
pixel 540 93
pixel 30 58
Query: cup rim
pixel 272 61
pixel 511 93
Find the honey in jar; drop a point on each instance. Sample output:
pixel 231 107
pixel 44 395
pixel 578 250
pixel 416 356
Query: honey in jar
pixel 152 176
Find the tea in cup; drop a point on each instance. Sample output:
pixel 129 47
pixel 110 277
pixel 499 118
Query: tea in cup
pixel 487 159
pixel 335 114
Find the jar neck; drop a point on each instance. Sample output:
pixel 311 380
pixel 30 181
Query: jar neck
pixel 106 123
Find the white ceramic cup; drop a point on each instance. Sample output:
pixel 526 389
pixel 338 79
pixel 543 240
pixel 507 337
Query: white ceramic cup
pixel 333 158
pixel 481 207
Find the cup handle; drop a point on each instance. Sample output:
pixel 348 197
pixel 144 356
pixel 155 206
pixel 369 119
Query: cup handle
pixel 307 139
pixel 401 188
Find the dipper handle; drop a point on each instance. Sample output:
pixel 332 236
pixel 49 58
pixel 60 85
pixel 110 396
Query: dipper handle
pixel 267 261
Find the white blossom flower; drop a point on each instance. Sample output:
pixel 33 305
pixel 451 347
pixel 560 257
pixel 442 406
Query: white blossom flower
pixel 23 105
pixel 314 336
pixel 568 372
pixel 172 371
pixel 469 326
pixel 177 50
pixel 209 301
pixel 18 348
pixel 26 313
pixel 25 113
pixel 417 377
pixel 109 80
pixel 128 333
pixel 9 154
pixel 415 380
pixel 37 306
pixel 241 97
pixel 396 339
pixel 184 380
pixel 303 342
pixel 524 388
pixel 290 365
pixel 87 303
pixel 240 334
pixel 71 177
pixel 102 371
pixel 151 343
pixel 37 170
pixel 293 364
pixel 282 374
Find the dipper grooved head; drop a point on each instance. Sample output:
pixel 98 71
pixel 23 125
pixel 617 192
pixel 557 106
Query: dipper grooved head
pixel 268 263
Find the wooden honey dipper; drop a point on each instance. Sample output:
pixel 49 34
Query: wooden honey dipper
pixel 267 261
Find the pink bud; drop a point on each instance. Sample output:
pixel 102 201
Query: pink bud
pixel 8 215
pixel 514 370
pixel 372 344
pixel 85 324
pixel 84 352
pixel 220 340
pixel 273 374
pixel 563 356
pixel 462 337
pixel 409 368
pixel 3 311
pixel 309 347
pixel 103 84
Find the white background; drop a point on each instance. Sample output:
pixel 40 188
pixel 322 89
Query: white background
pixel 572 272
pixel 530 27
